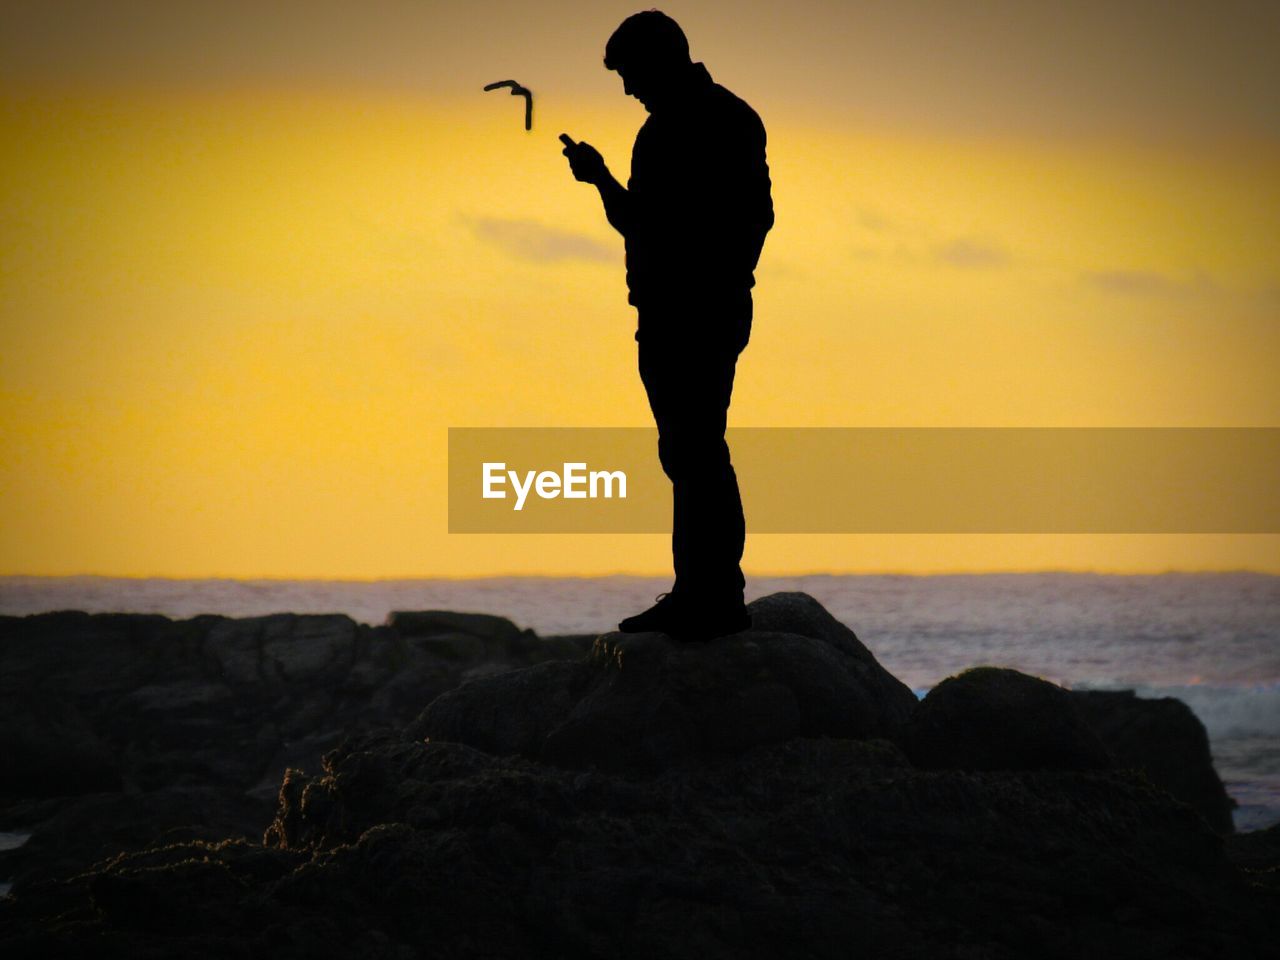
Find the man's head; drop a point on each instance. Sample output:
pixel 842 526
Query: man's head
pixel 651 54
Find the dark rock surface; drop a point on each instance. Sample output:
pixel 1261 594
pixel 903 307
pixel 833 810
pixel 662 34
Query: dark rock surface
pixel 811 848
pixel 988 718
pixel 772 794
pixel 642 702
pixel 1258 855
pixel 1164 740
pixel 186 727
pixel 72 833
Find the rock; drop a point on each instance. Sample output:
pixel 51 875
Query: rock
pixel 798 613
pixel 820 848
pixel 129 714
pixel 49 749
pixel 989 718
pixel 1164 740
pixel 74 834
pixel 435 623
pixel 283 648
pixel 643 702
pixel 1258 854
pixel 754 797
pixel 508 713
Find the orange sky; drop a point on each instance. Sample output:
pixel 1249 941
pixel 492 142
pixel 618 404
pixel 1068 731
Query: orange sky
pixel 255 265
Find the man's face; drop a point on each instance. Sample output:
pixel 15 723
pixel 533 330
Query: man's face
pixel 642 81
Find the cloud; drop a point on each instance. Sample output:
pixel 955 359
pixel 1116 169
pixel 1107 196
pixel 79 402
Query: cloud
pixel 971 254
pixel 1147 283
pixel 530 240
pixel 874 220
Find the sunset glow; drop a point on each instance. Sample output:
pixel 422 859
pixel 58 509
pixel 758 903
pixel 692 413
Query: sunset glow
pixel 239 311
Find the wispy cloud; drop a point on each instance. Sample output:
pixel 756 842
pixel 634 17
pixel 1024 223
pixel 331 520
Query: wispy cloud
pixel 971 254
pixel 1147 283
pixel 537 242
pixel 880 235
pixel 873 220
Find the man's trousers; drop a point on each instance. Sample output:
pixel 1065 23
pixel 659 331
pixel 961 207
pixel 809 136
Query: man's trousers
pixel 687 363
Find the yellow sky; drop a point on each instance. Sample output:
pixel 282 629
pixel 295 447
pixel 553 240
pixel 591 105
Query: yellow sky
pixel 237 318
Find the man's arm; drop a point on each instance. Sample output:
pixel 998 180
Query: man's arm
pixel 589 167
pixel 617 202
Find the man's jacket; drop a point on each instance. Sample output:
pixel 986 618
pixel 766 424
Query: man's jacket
pixel 699 200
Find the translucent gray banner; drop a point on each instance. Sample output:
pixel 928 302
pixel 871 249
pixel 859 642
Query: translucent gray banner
pixel 880 480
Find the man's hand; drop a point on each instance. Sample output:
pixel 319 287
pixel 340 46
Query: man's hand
pixel 585 161
pixel 588 166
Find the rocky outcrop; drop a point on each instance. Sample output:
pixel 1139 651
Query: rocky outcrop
pixel 643 702
pixel 771 794
pixel 1258 855
pixel 823 848
pixel 1163 739
pixel 138 727
pixel 73 833
pixel 989 718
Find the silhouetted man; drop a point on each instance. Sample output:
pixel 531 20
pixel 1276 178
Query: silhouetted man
pixel 694 215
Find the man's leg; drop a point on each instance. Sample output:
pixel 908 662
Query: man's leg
pixel 689 387
pixel 708 529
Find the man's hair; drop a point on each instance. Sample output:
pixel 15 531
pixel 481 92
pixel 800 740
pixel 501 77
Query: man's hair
pixel 650 37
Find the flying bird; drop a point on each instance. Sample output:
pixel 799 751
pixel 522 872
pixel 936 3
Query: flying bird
pixel 518 91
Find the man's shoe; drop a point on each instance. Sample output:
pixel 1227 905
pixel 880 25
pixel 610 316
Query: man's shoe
pixel 701 626
pixel 660 618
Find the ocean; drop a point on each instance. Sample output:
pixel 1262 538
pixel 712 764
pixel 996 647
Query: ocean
pixel 1209 639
